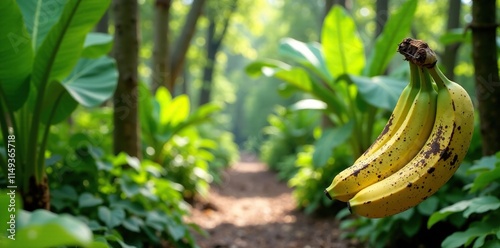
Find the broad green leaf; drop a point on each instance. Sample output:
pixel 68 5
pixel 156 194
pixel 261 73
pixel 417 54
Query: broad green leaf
pixel 39 17
pixel 111 218
pixel 133 224
pixel 97 45
pixel 307 54
pixel 481 205
pixel 16 56
pixel 445 212
pixel 296 77
pixel 475 230
pixel 257 68
pixel 177 111
pixel 88 200
pixel 486 163
pixel 37 229
pixel 156 221
pixel 92 81
pixel 342 47
pixel 175 229
pixel 395 30
pixel 132 207
pixel 379 91
pixel 330 139
pixel 62 46
pixel 308 104
pixel 129 187
pixel 485 178
pixel 65 192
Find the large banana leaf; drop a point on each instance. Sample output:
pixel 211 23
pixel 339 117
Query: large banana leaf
pixel 91 82
pixel 16 56
pixel 62 46
pixel 97 45
pixel 295 76
pixel 396 28
pixel 342 46
pixel 309 55
pixel 379 91
pixel 330 138
pixel 39 17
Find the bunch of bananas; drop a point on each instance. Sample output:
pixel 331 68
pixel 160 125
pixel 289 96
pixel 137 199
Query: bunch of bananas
pixel 420 148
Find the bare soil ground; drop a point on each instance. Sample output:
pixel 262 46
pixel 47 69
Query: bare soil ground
pixel 252 209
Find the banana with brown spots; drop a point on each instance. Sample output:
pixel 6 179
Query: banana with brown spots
pixel 434 165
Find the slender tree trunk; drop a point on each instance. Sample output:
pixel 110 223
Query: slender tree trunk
pixel 208 70
pixel 126 51
pixel 486 72
pixel 214 42
pixel 450 51
pixel 161 66
pixel 382 12
pixel 182 44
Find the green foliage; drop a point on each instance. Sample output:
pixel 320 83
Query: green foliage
pixel 287 132
pixel 309 181
pixel 479 212
pixel 172 139
pixel 124 201
pixel 332 72
pixel 47 71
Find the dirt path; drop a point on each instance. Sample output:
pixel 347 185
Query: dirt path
pixel 253 209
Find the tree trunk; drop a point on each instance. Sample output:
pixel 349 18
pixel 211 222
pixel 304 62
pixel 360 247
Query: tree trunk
pixel 208 70
pixel 213 45
pixel 126 49
pixel 486 72
pixel 450 51
pixel 382 12
pixel 182 44
pixel 161 66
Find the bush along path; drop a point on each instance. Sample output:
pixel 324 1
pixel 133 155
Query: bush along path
pixel 252 209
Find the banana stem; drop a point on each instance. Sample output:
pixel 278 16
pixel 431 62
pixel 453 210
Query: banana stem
pixel 425 79
pixel 438 76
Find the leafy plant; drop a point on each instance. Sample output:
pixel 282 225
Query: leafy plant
pixel 310 178
pixel 347 88
pixel 288 131
pixel 477 215
pixel 124 201
pixel 333 73
pixel 172 139
pixel 50 64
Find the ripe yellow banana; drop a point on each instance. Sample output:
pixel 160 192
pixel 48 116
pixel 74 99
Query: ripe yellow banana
pixel 433 165
pixel 399 113
pixel 398 150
